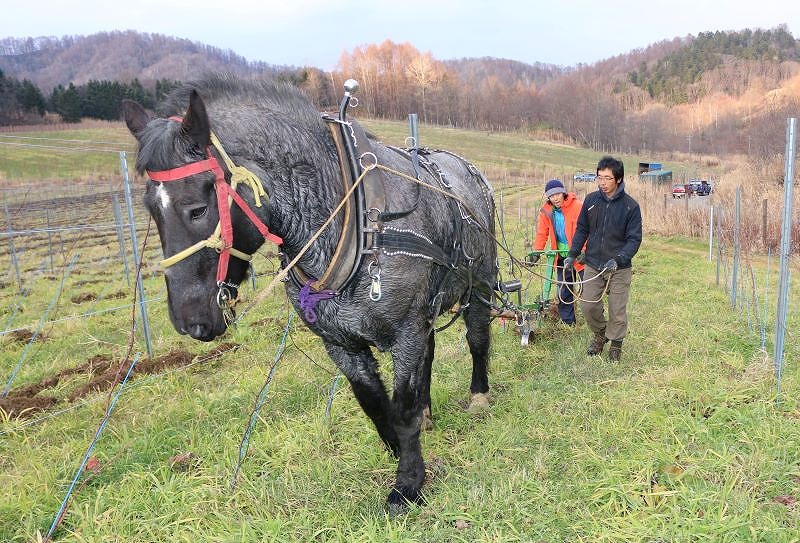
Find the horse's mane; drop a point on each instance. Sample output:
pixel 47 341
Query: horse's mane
pixel 226 88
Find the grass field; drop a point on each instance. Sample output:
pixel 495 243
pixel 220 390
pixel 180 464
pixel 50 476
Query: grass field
pixel 65 154
pixel 682 441
pixel 92 151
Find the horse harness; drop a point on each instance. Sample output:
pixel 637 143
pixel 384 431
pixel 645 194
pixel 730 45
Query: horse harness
pixel 365 233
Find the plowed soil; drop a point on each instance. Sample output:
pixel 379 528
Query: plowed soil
pixel 102 373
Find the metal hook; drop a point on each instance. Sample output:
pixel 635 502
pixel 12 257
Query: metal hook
pixel 375 293
pixel 225 302
pixel 374 271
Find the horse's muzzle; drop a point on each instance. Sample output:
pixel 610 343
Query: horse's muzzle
pixel 199 331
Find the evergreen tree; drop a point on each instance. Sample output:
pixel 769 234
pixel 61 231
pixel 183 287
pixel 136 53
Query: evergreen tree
pixel 8 100
pixel 164 87
pixel 135 91
pixel 31 98
pixel 102 99
pixel 68 104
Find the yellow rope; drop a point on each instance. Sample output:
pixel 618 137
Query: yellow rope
pixel 214 241
pixel 280 276
pixel 424 184
pixel 528 268
pixel 240 174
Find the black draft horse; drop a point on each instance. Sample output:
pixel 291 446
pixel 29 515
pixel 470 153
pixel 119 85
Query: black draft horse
pixel 430 248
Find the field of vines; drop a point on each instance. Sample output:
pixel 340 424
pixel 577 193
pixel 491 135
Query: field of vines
pixel 256 437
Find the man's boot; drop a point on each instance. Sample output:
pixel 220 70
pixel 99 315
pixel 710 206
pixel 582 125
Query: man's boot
pixel 597 344
pixel 615 351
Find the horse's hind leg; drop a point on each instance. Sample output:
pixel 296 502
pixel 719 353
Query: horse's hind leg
pixel 361 369
pixel 478 321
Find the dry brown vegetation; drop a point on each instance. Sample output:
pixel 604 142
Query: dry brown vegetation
pixel 762 189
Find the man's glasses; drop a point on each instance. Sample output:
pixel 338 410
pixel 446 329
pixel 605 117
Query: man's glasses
pixel 605 178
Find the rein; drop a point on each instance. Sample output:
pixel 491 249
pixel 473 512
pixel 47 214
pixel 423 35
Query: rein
pixel 221 240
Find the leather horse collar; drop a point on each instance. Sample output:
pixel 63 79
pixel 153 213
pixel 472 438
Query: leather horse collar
pixel 361 212
pixel 364 232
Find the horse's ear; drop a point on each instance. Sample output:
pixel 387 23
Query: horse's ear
pixel 135 117
pixel 195 123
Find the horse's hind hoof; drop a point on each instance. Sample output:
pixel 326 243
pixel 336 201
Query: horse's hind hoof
pixel 478 402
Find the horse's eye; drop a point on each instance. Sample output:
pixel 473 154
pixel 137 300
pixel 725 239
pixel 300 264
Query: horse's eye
pixel 198 213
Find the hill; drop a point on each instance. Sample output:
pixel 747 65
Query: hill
pixel 716 93
pixel 509 72
pixel 117 56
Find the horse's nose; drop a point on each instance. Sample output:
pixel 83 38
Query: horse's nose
pixel 200 331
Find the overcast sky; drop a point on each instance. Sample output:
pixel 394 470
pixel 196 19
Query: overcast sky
pixel 316 32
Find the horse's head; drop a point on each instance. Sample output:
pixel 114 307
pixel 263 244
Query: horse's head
pixel 183 198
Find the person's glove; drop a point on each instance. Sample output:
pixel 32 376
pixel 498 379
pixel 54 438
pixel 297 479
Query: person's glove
pixel 581 258
pixel 532 258
pixel 611 265
pixel 569 264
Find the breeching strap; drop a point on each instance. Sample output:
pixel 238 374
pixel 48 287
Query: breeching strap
pixel 222 238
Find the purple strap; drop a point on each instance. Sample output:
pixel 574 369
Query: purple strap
pixel 308 300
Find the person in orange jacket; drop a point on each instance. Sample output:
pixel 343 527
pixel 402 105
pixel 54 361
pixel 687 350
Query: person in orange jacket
pixel 558 218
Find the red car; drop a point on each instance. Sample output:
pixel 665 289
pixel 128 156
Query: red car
pixel 679 191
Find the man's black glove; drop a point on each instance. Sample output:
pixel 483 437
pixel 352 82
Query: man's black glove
pixel 581 258
pixel 569 264
pixel 532 258
pixel 611 265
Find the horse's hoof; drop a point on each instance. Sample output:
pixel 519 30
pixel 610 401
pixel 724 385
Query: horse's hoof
pixel 396 509
pixel 478 402
pixel 398 504
pixel 427 421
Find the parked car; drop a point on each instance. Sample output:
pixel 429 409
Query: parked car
pixel 700 187
pixel 679 191
pixel 586 176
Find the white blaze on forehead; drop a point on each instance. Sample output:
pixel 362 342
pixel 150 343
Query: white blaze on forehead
pixel 162 195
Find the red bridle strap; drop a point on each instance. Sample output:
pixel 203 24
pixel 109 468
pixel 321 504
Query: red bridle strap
pixel 181 172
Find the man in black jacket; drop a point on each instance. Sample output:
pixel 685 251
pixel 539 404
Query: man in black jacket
pixel 610 223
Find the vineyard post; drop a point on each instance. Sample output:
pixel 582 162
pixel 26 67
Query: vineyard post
pixel 719 240
pixel 134 247
pixel 786 243
pixel 710 232
pixel 49 240
pixel 736 245
pixel 123 253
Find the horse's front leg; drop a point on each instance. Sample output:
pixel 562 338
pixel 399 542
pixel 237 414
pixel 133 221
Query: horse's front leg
pixel 361 369
pixel 409 390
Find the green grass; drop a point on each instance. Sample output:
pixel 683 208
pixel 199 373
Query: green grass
pixel 518 156
pixel 682 441
pixel 81 153
pixel 505 157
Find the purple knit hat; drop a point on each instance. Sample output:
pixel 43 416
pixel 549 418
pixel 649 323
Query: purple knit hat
pixel 554 186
